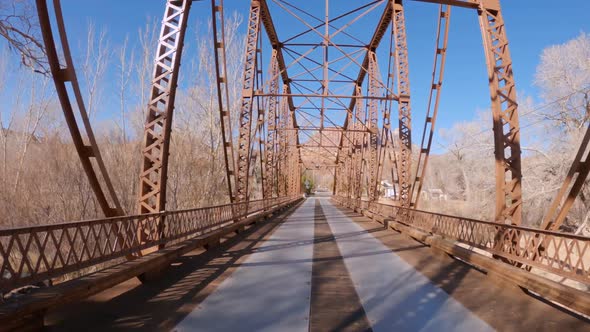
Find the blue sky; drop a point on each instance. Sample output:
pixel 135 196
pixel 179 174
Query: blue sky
pixel 531 25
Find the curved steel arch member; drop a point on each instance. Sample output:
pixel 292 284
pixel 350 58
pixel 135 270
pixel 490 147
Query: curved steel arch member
pixel 218 24
pixel 87 148
pixel 506 125
pixel 249 76
pixel 438 70
pixel 158 125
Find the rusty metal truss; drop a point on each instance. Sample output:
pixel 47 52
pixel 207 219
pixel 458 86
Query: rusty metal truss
pixel 440 55
pixel 270 183
pixel 372 121
pixel 505 115
pixel 221 74
pixel 158 126
pixel 573 184
pixel 64 76
pixel 314 109
pixel 404 109
pixel 249 76
pixel 313 105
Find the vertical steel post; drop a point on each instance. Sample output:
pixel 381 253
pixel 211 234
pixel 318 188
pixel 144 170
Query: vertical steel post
pixel 282 163
pixel 223 95
pixel 341 178
pixel 80 134
pixel 271 128
pixel 156 141
pixel 505 114
pixel 358 148
pixel 404 108
pixel 373 114
pixel 249 77
pixel 438 71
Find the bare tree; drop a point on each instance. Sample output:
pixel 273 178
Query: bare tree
pixel 564 78
pixel 36 110
pixel 125 67
pixel 20 27
pixel 94 67
pixel 143 68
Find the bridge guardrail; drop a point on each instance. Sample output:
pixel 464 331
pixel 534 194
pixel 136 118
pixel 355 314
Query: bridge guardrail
pixel 565 255
pixel 32 254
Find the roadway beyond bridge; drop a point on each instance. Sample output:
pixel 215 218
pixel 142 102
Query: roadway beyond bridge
pixel 317 267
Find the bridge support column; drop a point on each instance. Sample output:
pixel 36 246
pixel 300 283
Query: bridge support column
pixel 223 94
pixel 270 181
pixel 404 108
pixel 158 127
pixel 246 103
pixel 358 147
pixel 505 114
pixel 82 136
pixel 372 121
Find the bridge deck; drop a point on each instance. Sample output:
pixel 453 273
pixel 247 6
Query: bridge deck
pixel 320 268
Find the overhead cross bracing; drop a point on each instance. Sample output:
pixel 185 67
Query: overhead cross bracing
pixel 322 57
pixel 321 88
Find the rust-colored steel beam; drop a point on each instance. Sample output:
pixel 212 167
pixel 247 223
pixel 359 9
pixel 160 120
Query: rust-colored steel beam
pixel 341 177
pixel 271 32
pixel 404 107
pixel 61 76
pixel 390 150
pixel 249 77
pixel 270 184
pixel 440 55
pixel 86 147
pixel 386 147
pixel 258 134
pixel 311 95
pixel 372 120
pixel 505 115
pixel 571 187
pixel 282 162
pixel 504 107
pixel 473 4
pixel 292 164
pixel 221 74
pixel 158 126
pixel 358 148
pixel 384 22
pixel 331 129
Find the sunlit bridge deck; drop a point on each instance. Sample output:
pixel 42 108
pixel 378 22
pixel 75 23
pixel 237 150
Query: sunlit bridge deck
pixel 319 267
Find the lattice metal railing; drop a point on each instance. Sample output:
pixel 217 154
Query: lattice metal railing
pixel 566 255
pixel 32 254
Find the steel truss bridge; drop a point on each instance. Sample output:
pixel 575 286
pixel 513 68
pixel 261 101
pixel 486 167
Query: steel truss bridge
pixel 327 93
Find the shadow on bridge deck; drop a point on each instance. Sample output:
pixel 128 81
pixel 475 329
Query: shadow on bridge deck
pixel 162 303
pixel 363 277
